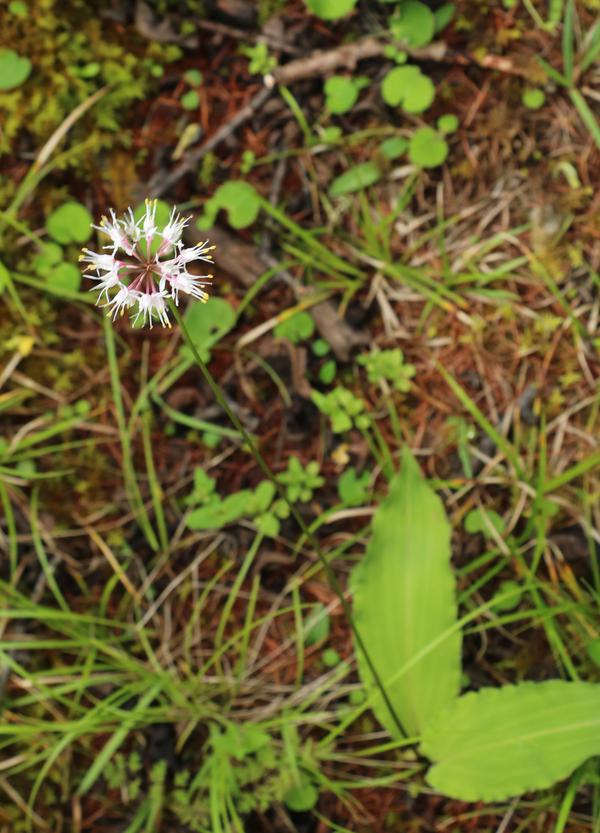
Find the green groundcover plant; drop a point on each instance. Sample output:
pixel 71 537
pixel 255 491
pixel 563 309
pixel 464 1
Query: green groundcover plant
pixel 485 745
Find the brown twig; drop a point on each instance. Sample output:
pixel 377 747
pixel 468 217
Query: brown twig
pixel 323 62
pixel 161 182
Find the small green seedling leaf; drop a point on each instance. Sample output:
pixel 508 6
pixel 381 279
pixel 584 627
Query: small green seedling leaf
pixel 207 323
pixel 427 148
pixel 394 147
pixel 533 99
pixel 448 123
pixel 301 798
pixel 414 24
pixel 320 347
pixel 65 276
pixel 443 16
pixel 14 69
pixel 356 179
pixel 342 92
pixel 407 87
pixel 190 100
pixel 317 625
pixel 388 365
pixel 18 8
pixel 343 408
pixel 219 513
pixel 240 201
pixel 507 598
pixel 44 260
pixel 353 488
pixel 484 521
pixel 71 223
pixel 193 77
pixel 330 658
pixel 296 328
pixel 261 63
pixel 327 372
pixel 330 135
pixel 330 9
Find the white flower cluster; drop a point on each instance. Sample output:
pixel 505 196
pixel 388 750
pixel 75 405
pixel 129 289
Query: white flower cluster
pixel 145 275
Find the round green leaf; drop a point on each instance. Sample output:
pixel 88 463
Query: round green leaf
pixel 427 148
pixel 340 94
pixel 71 223
pixel 447 123
pixel 14 69
pixel 65 276
pixel 533 99
pixel 240 201
pixel 49 256
pixel 480 520
pixel 190 100
pixel 507 598
pixel 330 9
pixel 415 24
pixel 18 8
pixel 320 347
pixel 330 658
pixel 193 77
pixel 207 323
pixel 407 87
pixel 302 797
pixel 296 328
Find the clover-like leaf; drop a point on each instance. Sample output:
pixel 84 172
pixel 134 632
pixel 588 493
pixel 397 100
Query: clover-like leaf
pixel 484 521
pixel 406 86
pixel 70 223
pixel 65 276
pixel 296 327
pixel 14 69
pixel 341 93
pixel 414 24
pixel 330 9
pixel 353 488
pixel 427 148
pixel 240 201
pixel 302 797
pixel 207 323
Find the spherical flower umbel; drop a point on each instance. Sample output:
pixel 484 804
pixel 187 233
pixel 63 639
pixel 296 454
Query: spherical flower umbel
pixel 145 265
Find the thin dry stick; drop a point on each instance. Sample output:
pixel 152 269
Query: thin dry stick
pixel 160 183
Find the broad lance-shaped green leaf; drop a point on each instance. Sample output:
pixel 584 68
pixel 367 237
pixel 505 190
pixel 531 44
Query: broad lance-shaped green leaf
pixel 500 742
pixel 405 606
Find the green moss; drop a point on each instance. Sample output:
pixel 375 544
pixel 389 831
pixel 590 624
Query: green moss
pixel 73 55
